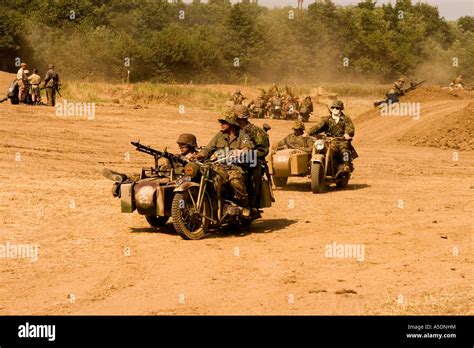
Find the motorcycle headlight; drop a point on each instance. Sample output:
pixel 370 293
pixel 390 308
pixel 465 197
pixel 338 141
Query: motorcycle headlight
pixel 191 169
pixel 319 144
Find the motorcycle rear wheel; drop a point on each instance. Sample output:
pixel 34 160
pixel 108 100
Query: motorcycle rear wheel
pixel 280 181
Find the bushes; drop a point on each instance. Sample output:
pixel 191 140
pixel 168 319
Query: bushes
pixel 201 44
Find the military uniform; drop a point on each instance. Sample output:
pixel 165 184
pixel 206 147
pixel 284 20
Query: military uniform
pixel 393 96
pixel 337 127
pixel 164 164
pixel 306 109
pixel 261 143
pixel 34 81
pixel 457 83
pixel 224 141
pixel 294 141
pixel 275 105
pixel 237 98
pixel 51 84
pixel 258 107
pixel 22 82
pixel 299 142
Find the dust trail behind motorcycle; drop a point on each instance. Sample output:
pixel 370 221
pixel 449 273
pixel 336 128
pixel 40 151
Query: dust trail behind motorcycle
pixel 407 211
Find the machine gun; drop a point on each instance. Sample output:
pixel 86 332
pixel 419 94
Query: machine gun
pixel 413 86
pixel 174 159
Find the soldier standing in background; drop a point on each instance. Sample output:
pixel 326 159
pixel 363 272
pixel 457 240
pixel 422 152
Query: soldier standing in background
pixel 306 109
pixel 20 77
pixel 237 97
pixel 34 81
pixel 51 83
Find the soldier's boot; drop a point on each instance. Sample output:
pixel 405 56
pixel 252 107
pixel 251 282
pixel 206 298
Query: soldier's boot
pixel 245 208
pixel 346 158
pixel 114 176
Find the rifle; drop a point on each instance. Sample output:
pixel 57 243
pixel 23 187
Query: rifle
pixel 174 159
pixel 57 90
pixel 413 86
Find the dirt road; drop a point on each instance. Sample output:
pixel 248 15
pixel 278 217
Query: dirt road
pixel 409 209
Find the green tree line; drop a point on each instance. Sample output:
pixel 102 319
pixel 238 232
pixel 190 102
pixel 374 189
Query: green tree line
pixel 220 42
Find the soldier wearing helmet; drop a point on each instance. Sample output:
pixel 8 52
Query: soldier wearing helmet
pixel 457 83
pixel 393 96
pixel 258 136
pixel 296 140
pixel 51 84
pixel 257 107
pixel 187 144
pixel 231 140
pixel 306 108
pixel 261 143
pixel 339 125
pixel 237 97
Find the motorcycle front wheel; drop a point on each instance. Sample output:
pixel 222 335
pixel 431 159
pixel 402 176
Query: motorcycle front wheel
pixel 317 177
pixel 187 221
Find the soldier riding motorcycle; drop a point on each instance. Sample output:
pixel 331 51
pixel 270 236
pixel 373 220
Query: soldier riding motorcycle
pixel 275 105
pixel 213 191
pixel 257 107
pixel 332 151
pixel 151 191
pixel 290 109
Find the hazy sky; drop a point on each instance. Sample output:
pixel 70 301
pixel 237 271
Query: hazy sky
pixel 450 9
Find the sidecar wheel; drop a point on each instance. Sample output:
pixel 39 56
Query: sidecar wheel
pixel 157 221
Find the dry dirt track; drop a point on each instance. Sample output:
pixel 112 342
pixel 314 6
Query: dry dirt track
pixel 54 196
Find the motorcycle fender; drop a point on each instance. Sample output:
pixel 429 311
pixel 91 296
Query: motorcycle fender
pixel 318 158
pixel 127 203
pixel 145 194
pixel 164 200
pixel 185 186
